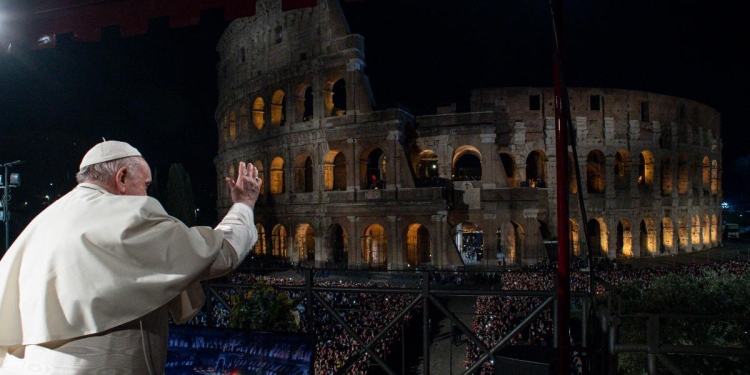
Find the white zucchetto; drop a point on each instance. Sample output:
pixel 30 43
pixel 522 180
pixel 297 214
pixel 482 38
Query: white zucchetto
pixel 108 150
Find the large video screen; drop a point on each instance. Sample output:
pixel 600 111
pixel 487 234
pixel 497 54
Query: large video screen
pixel 222 351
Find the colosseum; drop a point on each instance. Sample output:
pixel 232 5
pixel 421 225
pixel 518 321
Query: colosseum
pixel 349 185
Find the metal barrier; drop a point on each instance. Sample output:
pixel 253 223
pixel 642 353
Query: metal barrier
pixel 425 295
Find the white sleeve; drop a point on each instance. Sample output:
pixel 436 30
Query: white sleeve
pixel 240 235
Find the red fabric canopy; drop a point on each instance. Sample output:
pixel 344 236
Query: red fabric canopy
pixel 35 23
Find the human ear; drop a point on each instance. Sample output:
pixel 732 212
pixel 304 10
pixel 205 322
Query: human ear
pixel 120 177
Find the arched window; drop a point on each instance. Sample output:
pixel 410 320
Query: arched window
pixel 260 245
pixel 624 242
pixel 305 241
pixel 622 170
pixel 339 243
pixel 536 169
pixel 575 242
pixel 279 238
pixel 375 246
pixel 667 236
pixel 509 166
pixel 232 125
pixel 334 171
pixel 597 231
pixel 339 98
pixel 666 176
pixel 595 167
pixel 303 174
pixel 695 232
pixel 258 112
pixel 243 121
pixel 647 236
pixel 468 167
pixel 706 175
pixel 683 175
pixel 682 234
pixel 417 245
pixel 372 169
pixel 714 177
pixel 427 165
pixel 646 169
pixel 277 176
pixel 278 108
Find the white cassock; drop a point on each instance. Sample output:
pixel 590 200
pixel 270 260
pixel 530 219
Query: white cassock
pixel 86 288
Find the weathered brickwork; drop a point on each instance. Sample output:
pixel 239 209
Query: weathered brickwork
pixel 349 185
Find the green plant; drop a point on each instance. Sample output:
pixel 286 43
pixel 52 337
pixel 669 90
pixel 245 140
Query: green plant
pixel 262 308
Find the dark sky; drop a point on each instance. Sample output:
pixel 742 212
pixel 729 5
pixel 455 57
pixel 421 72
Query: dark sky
pixel 158 91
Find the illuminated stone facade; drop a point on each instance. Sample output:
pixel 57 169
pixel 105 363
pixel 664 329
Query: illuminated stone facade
pixel 350 185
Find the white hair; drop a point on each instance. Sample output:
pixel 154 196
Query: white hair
pixel 104 171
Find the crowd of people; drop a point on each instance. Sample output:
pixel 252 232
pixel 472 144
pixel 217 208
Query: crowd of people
pixel 495 316
pixel 366 313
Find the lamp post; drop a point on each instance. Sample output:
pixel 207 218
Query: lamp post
pixel 7 183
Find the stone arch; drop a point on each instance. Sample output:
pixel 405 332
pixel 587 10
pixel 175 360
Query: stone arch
pixel 277 175
pixel 706 231
pixel 667 235
pixel 595 171
pixel 339 98
pixel 667 182
pixel 714 229
pixel 374 246
pixel 278 241
pixel 338 240
pixel 706 174
pixel 469 241
pixel 622 170
pixel 683 175
pixel 303 173
pixel 648 236
pixel 232 125
pixel 598 238
pixel 624 242
pixel 427 164
pixel 260 247
pixel 714 177
pixel 695 231
pixel 536 168
pixel 278 108
pixel 334 171
pixel 243 119
pixel 417 245
pixel 646 168
pixel 304 102
pixel 467 163
pixel 304 239
pixel 572 178
pixel 509 166
pixel 372 165
pixel 574 238
pixel 258 113
pixel 262 174
pixel 682 234
pixel 334 95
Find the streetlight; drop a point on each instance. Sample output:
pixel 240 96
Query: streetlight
pixel 10 180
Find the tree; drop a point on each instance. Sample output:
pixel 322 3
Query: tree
pixel 709 294
pixel 180 200
pixel 263 309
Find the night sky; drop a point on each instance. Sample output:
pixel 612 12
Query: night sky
pixel 158 91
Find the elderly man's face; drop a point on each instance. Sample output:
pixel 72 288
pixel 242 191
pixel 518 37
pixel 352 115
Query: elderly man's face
pixel 138 181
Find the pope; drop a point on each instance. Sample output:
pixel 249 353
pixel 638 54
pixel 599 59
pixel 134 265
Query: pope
pixel 88 286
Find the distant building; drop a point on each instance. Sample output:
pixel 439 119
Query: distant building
pixel 347 184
